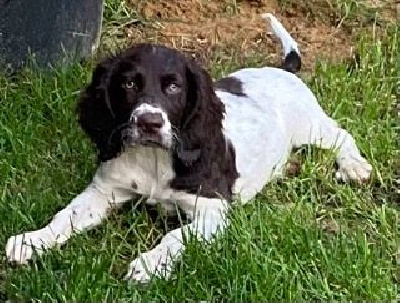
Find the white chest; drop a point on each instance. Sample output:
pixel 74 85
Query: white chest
pixel 143 170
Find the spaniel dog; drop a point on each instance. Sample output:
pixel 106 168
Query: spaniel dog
pixel 164 130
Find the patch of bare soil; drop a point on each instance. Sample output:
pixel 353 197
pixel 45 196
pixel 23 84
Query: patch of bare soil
pixel 223 29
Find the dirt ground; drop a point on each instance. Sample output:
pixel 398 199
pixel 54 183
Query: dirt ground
pixel 218 30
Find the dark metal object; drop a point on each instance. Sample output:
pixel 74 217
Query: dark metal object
pixel 51 31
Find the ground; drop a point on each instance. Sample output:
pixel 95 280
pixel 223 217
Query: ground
pixel 304 237
pixel 225 30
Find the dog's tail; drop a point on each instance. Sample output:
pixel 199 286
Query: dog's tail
pixel 292 60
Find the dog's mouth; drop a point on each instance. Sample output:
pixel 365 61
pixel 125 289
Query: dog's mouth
pixel 134 137
pixel 151 141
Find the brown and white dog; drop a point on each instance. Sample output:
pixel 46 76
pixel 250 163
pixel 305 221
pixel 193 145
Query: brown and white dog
pixel 164 130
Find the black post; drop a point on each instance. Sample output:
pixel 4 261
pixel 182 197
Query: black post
pixel 53 31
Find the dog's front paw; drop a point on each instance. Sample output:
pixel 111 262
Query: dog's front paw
pixel 20 248
pixel 156 262
pixel 354 168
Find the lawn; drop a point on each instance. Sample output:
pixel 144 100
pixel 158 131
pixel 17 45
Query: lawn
pixel 304 237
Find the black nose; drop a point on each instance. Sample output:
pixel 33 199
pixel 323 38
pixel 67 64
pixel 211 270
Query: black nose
pixel 149 122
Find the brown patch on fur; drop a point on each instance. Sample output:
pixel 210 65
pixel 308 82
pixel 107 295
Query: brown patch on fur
pixel 230 85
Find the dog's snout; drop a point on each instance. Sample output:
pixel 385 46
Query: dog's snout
pixel 149 121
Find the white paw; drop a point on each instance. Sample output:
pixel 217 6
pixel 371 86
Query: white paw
pixel 156 262
pixel 353 168
pixel 21 248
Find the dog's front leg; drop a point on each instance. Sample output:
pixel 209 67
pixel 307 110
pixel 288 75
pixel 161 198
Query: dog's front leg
pixel 84 212
pixel 209 217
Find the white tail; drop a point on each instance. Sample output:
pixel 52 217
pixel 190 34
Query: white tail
pixel 289 44
pixel 292 61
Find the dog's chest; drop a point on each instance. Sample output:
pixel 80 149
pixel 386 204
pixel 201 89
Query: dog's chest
pixel 144 170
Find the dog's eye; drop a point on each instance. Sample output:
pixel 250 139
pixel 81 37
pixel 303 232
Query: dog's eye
pixel 130 85
pixel 173 88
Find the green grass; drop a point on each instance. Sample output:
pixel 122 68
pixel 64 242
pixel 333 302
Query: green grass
pixel 307 237
pixel 117 15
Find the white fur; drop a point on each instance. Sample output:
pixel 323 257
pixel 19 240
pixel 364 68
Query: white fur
pixel 277 113
pixel 141 170
pixel 209 217
pixel 166 129
pixel 288 43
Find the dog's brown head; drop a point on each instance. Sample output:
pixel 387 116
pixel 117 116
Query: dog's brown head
pixel 149 94
pixel 154 95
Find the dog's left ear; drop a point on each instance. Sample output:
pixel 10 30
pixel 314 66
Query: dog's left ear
pixel 95 113
pixel 202 117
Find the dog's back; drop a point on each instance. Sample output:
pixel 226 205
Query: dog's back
pixel 257 101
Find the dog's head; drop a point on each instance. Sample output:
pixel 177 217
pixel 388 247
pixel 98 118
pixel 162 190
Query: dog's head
pixel 150 95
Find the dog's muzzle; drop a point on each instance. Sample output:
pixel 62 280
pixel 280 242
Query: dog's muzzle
pixel 148 126
pixel 149 123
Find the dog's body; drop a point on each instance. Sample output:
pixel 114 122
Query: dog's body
pixel 188 156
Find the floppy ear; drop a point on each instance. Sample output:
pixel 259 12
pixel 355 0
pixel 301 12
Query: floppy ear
pixel 204 161
pixel 202 119
pixel 96 115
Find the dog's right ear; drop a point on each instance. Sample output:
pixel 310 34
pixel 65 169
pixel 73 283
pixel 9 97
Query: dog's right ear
pixel 202 119
pixel 95 112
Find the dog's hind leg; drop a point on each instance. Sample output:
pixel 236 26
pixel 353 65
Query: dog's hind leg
pixel 316 128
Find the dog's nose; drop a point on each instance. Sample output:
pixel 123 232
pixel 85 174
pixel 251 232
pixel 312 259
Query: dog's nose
pixel 149 122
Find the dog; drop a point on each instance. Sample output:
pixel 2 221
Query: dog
pixel 164 130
